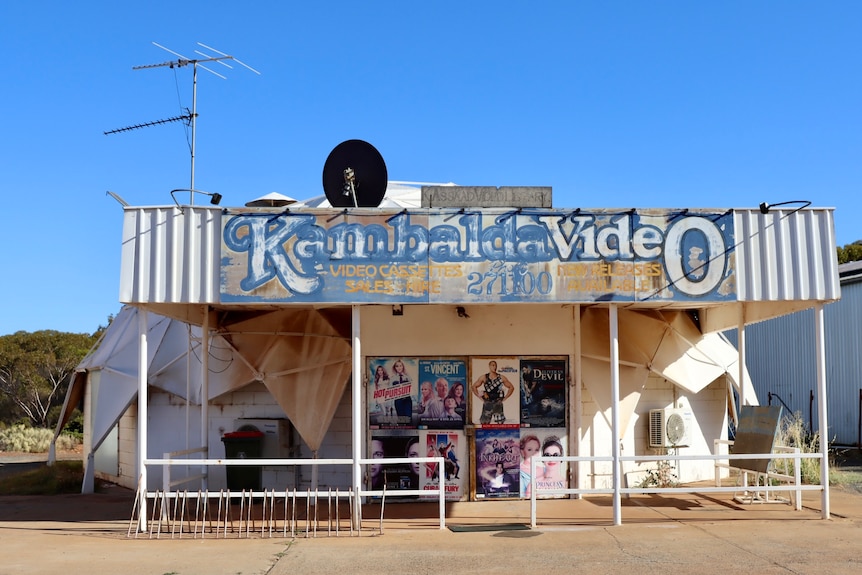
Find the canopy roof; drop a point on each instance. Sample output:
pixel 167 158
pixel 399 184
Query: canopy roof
pixel 300 357
pixel 666 343
pixel 303 357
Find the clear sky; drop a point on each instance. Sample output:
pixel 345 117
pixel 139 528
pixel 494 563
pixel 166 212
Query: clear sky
pixel 614 104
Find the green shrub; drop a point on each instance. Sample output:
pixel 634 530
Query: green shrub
pixel 664 475
pixel 793 432
pixel 75 426
pixel 33 439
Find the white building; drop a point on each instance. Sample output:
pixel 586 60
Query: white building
pixel 620 309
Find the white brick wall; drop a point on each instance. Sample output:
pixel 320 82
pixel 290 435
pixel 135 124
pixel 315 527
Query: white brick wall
pixel 710 421
pixel 490 330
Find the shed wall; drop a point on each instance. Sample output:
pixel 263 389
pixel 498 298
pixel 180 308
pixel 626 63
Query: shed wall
pixel 780 354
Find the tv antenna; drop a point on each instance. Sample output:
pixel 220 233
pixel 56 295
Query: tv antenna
pixel 191 115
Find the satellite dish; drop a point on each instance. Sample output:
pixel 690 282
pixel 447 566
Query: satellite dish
pixel 354 175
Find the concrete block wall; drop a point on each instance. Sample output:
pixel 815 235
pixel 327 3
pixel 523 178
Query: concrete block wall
pixel 709 418
pixel 167 417
pixel 128 447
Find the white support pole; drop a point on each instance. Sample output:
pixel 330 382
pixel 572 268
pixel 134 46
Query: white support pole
pixel 357 415
pixel 741 351
pixel 615 409
pixel 205 392
pixel 575 398
pixel 820 347
pixel 143 326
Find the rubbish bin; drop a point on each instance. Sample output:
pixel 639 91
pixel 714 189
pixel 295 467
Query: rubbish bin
pixel 243 445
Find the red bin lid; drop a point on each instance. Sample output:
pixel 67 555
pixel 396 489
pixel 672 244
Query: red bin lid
pixel 244 434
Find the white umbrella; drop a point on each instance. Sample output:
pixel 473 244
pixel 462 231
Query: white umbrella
pixel 271 200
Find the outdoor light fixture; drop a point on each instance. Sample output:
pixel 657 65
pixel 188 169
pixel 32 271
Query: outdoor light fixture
pixel 764 207
pixel 215 198
pixel 461 311
pixel 397 309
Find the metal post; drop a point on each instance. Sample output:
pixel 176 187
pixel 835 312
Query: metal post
pixel 821 404
pixel 615 408
pixel 194 122
pixel 205 392
pixel 575 398
pixel 143 325
pixel 741 352
pixel 357 415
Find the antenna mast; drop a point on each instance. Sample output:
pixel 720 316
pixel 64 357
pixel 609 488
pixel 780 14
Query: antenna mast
pixel 192 115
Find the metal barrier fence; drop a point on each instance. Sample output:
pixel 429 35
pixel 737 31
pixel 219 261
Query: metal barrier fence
pixel 280 511
pixel 721 460
pixel 267 513
pixel 172 511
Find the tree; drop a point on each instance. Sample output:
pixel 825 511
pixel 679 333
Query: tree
pixel 36 369
pixel 850 252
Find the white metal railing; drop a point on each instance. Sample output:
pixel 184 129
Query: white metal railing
pixel 722 460
pixel 170 460
pixel 770 474
pixel 796 487
pixel 173 510
pixel 167 482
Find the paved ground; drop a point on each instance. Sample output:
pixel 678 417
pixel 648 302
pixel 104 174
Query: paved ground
pixel 698 533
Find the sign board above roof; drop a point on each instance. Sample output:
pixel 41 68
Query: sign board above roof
pixel 487 256
pixel 486 197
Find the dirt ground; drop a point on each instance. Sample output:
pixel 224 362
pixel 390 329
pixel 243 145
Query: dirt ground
pixel 695 533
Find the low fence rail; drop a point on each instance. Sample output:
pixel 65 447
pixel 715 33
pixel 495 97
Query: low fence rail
pixel 172 510
pixel 280 512
pixel 722 460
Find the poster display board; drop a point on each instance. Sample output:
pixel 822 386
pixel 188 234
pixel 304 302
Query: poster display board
pixel 442 400
pixel 494 392
pixel 391 388
pixel 543 392
pixel 487 416
pixel 497 463
pixel 550 474
pixel 450 445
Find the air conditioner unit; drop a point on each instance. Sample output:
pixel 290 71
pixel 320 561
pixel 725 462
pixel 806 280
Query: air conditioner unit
pixel 670 427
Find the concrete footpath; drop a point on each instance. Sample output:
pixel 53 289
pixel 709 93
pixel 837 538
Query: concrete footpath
pixel 694 533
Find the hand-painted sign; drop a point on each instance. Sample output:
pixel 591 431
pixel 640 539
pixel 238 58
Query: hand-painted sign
pixel 431 256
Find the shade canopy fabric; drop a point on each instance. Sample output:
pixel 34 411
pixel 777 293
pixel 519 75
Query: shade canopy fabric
pixel 303 360
pixel 298 355
pixel 667 343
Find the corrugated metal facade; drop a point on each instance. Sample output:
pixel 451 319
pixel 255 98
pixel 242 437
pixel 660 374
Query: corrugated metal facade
pixel 783 260
pixel 781 360
pixel 785 255
pixel 171 255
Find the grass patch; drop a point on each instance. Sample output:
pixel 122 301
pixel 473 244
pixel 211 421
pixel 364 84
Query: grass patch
pixel 62 477
pixel 33 439
pixel 846 479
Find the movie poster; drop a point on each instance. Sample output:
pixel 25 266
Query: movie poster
pixel 543 392
pixel 494 391
pixel 452 447
pixel 442 399
pixel 391 388
pixel 395 476
pixel 550 474
pixel 497 463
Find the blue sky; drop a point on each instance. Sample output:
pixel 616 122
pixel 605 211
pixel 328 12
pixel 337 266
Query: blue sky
pixel 614 104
